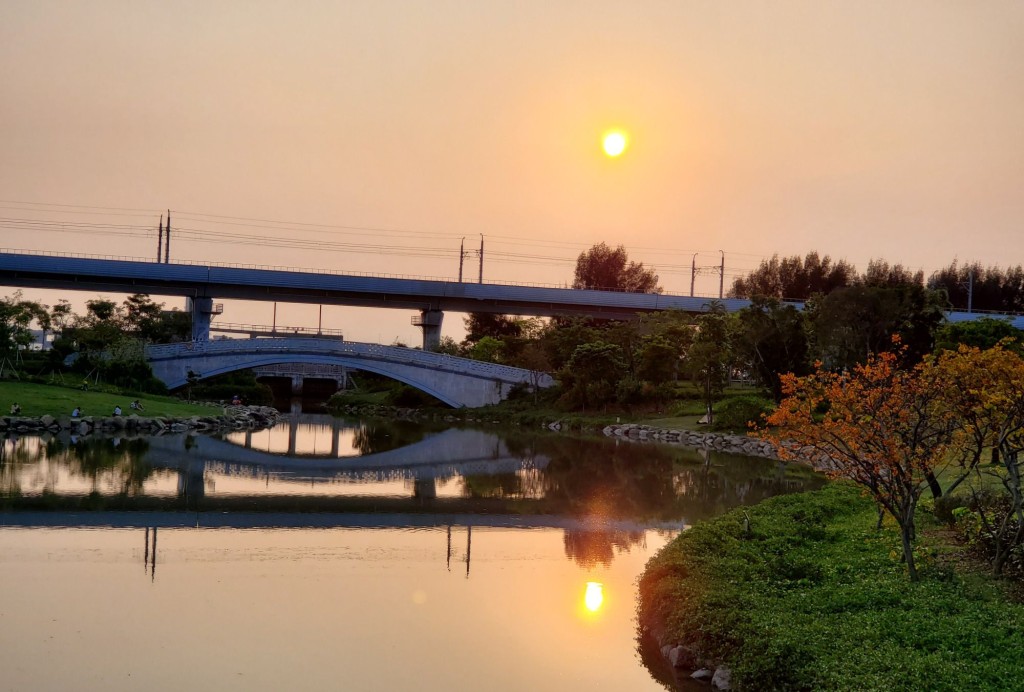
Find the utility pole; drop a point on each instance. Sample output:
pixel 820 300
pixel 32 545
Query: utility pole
pixel 721 278
pixel 693 273
pixel 167 247
pixel 481 279
pixel 159 254
pixel 462 256
pixel 970 289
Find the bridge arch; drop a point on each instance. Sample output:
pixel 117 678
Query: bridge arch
pixel 458 382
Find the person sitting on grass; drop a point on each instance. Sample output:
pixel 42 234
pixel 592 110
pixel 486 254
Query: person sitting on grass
pixel 15 409
pixel 136 405
pixel 77 413
pixel 117 410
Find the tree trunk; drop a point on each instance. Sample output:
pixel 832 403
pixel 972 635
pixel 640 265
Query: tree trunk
pixel 906 535
pixel 933 484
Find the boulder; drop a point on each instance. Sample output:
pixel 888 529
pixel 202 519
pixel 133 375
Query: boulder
pixel 683 657
pixel 703 674
pixel 722 679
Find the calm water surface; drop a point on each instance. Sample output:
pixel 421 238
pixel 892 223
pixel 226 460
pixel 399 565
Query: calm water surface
pixel 329 554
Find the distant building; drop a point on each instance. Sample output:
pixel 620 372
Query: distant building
pixel 42 340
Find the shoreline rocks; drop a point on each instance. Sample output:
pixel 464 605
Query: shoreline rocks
pixel 233 418
pixel 719 442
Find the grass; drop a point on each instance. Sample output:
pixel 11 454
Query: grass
pixel 812 597
pixel 55 400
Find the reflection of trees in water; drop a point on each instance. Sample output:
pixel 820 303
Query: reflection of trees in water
pixel 592 548
pixel 375 436
pixel 121 459
pixel 610 478
pixel 15 451
pixel 503 485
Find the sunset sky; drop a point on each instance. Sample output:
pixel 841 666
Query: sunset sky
pixel 385 132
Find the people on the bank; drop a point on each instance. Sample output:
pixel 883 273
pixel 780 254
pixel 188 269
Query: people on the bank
pixel 117 410
pixel 77 413
pixel 236 400
pixel 15 409
pixel 136 405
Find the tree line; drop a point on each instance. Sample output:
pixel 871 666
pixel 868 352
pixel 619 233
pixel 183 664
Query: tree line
pixel 117 330
pixel 962 286
pixel 608 364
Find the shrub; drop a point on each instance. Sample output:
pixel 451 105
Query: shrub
pixel 738 412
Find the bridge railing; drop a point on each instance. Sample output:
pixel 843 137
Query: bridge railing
pixel 391 354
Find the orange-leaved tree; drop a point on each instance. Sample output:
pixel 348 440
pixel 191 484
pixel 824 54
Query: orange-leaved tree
pixel 983 391
pixel 878 425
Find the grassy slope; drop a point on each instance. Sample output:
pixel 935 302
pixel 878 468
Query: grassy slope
pixel 814 598
pixel 41 399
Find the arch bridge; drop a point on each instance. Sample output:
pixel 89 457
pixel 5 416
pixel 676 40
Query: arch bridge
pixel 458 382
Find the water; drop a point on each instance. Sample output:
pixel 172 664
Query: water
pixel 330 554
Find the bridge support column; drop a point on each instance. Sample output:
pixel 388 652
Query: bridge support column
pixel 296 385
pixel 430 322
pixel 191 481
pixel 424 489
pixel 293 436
pixel 202 312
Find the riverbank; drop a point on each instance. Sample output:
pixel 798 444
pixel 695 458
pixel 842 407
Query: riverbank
pixel 232 418
pixel 47 408
pixel 36 399
pixel 801 592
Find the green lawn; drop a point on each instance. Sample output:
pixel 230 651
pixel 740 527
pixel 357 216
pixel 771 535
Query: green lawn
pixel 812 597
pixel 41 399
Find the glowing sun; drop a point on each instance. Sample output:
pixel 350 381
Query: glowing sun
pixel 614 142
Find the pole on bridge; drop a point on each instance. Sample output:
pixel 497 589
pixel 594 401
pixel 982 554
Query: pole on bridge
pixel 721 277
pixel 167 246
pixel 462 256
pixel 481 279
pixel 693 273
pixel 160 240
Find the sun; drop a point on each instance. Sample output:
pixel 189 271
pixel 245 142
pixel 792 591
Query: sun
pixel 614 142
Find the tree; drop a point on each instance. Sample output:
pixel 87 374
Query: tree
pixel 602 268
pixel 880 274
pixel 982 333
pixel 709 357
pixel 882 428
pixel 983 392
pixel 850 324
pixel 16 319
pixel 593 371
pixel 793 278
pixel 481 324
pixel 770 339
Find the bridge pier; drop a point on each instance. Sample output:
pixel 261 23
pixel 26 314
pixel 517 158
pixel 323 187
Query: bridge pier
pixel 297 385
pixel 424 489
pixel 191 480
pixel 430 322
pixel 202 310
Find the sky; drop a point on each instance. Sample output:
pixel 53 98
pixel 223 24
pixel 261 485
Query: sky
pixel 375 136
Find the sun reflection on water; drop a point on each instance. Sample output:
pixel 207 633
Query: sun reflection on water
pixel 594 596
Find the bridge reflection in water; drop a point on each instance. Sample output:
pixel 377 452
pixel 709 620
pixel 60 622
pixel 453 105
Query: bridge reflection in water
pixel 441 456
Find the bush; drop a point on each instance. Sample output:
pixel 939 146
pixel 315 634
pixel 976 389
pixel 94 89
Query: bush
pixel 737 413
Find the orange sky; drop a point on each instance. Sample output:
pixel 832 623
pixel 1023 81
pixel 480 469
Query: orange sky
pixel 878 129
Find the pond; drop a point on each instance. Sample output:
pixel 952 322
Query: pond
pixel 347 554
